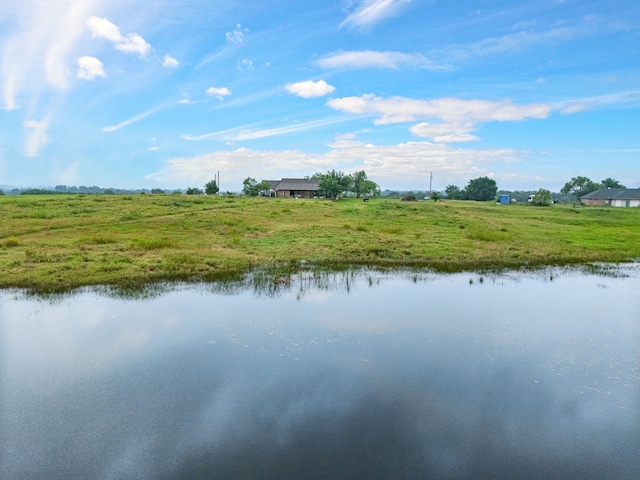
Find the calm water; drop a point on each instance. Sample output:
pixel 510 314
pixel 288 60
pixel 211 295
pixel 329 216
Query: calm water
pixel 357 376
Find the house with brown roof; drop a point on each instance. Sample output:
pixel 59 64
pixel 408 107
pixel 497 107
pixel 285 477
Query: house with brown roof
pixel 614 197
pixel 295 188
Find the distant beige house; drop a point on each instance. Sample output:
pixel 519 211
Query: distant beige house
pixel 294 187
pixel 613 197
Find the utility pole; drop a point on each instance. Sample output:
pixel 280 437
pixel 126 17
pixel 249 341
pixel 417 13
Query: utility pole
pixel 218 182
pixel 430 181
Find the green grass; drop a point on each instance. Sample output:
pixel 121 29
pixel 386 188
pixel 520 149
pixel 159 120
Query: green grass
pixel 62 242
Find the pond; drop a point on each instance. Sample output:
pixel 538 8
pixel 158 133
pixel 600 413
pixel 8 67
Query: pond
pixel 353 375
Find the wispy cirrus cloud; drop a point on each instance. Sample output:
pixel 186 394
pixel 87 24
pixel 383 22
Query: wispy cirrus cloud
pixel 371 12
pixel 250 133
pixel 523 39
pixel 310 89
pixel 131 120
pixel 36 136
pixel 455 118
pixel 628 98
pixel 359 59
pixel 130 43
pixel 35 55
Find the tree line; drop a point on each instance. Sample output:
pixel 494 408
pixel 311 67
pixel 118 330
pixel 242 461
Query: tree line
pixel 579 186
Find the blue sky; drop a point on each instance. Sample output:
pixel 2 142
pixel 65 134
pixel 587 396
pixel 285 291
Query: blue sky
pixel 166 93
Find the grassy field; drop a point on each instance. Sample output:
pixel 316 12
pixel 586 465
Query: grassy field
pixel 60 242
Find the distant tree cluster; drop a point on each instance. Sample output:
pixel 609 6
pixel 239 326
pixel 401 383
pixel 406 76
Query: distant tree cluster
pixel 481 189
pixel 402 193
pixel 72 190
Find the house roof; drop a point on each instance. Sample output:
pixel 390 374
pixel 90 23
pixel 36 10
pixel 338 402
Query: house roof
pixel 300 184
pixel 614 194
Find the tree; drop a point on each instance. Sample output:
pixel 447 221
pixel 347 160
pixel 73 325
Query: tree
pixel 371 188
pixel 361 185
pixel 435 196
pixel 157 190
pixel 211 187
pixel 194 191
pixel 252 188
pixel 542 198
pixel 1 192
pixel 249 187
pixel 264 187
pixel 481 189
pixel 454 193
pixel 579 186
pixel 333 184
pixel 611 183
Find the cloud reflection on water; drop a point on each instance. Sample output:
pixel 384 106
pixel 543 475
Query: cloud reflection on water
pixel 511 378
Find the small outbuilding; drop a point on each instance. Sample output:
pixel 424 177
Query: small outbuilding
pixel 504 199
pixel 613 197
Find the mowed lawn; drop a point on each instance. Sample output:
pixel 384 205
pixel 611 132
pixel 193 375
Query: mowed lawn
pixel 59 242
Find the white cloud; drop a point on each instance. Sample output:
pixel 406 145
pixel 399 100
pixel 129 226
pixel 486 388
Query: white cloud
pixel 310 89
pixel 90 67
pixel 457 117
pixel 236 35
pixel 170 62
pixel 134 43
pixel 130 43
pixel 245 64
pixel 371 12
pixel 400 164
pixel 218 92
pixel 375 59
pixel 36 136
pixel 103 28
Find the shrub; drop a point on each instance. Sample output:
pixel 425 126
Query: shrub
pixel 542 198
pixel 11 242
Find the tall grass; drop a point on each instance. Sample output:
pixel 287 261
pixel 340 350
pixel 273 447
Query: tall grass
pixel 90 240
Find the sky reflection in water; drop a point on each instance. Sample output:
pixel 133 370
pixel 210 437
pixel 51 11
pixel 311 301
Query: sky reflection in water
pixel 458 376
